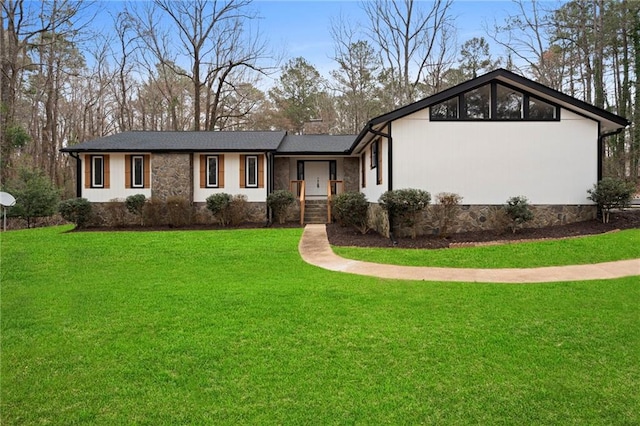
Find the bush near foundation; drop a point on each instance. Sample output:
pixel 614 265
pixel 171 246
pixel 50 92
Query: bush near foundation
pixel 611 193
pixel 178 211
pixel 238 209
pixel 518 211
pixel 279 202
pixel 352 209
pixel 219 205
pixel 446 209
pixel 154 212
pixel 135 205
pixel 405 206
pixel 116 212
pixel 75 210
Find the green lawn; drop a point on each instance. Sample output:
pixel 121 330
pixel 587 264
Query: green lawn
pixel 231 327
pixel 591 249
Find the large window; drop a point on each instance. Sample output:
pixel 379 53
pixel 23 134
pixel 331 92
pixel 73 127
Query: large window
pixel 497 102
pixel 97 171
pixel 252 171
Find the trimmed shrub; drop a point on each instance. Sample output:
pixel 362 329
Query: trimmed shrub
pixel 117 212
pixel 518 211
pixel 135 205
pixel 279 202
pixel 611 193
pixel 219 205
pixel 352 209
pixel 405 206
pixel 446 209
pixel 154 212
pixel 178 211
pixel 238 208
pixel 75 210
pixel 35 195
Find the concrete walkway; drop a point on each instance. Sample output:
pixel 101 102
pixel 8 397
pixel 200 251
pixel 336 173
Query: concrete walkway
pixel 315 249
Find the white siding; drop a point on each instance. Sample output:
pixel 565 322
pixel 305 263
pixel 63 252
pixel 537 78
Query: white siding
pixel 373 190
pixel 231 180
pixel 116 188
pixel 488 162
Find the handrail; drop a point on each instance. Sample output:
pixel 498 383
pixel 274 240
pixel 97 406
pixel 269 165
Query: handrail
pixel 332 188
pixel 300 192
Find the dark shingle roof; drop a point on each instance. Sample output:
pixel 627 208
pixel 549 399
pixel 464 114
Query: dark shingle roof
pixel 312 144
pixel 143 141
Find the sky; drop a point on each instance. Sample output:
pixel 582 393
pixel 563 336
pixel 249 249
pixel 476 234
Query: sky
pixel 302 27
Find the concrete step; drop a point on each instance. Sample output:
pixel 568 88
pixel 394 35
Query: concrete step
pixel 315 211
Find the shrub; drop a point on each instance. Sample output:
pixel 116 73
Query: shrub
pixel 75 210
pixel 35 195
pixel 135 205
pixel 219 205
pixel 405 206
pixel 352 209
pixel 446 209
pixel 238 209
pixel 611 193
pixel 117 212
pixel 154 212
pixel 518 211
pixel 279 201
pixel 178 211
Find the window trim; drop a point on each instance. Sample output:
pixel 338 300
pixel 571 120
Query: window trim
pixel 247 171
pixel 207 174
pixel 93 171
pixel 133 171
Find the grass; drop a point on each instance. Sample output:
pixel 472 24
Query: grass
pixel 590 249
pixel 231 327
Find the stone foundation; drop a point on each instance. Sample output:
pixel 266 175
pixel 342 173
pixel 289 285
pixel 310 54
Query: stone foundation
pixel 480 218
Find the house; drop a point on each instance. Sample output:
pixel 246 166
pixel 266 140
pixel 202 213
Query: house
pixel 490 138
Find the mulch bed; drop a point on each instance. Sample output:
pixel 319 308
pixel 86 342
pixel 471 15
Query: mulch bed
pixel 345 236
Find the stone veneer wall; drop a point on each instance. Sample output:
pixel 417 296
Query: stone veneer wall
pixel 281 173
pixel 172 175
pixel 351 174
pixel 479 218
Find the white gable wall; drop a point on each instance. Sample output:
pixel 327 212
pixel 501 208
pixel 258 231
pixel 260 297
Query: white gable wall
pixel 116 188
pixel 552 162
pixel 231 180
pixel 372 190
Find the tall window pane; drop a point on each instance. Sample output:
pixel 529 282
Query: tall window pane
pixel 508 103
pixel 252 171
pixel 138 172
pixel 477 103
pixel 98 171
pixel 212 171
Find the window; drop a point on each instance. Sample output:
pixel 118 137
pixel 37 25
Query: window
pixel 509 103
pixel 447 110
pixel 541 110
pixel 379 165
pixel 97 171
pixel 494 101
pixel 374 154
pixel 477 103
pixel 252 171
pixel 137 166
pixel 212 171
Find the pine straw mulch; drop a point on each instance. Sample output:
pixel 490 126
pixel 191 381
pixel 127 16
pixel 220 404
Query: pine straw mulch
pixel 345 236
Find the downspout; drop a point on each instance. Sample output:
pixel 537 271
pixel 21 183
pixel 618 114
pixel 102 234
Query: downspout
pixel 78 173
pixel 601 156
pixel 390 168
pixel 270 180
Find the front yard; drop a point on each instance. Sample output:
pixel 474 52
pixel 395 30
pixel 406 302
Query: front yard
pixel 232 327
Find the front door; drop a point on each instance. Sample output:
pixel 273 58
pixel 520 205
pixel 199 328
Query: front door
pixel 316 176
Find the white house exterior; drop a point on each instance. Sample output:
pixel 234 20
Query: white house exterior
pixel 493 137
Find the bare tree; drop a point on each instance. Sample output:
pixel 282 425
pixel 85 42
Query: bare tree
pixel 411 39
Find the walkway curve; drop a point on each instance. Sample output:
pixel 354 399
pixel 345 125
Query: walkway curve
pixel 315 249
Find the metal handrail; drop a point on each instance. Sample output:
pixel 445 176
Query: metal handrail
pixel 332 188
